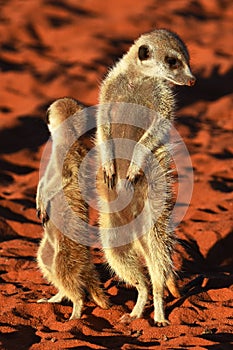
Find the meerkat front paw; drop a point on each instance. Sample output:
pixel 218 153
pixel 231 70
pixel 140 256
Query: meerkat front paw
pixel 133 173
pixel 42 213
pixel 109 174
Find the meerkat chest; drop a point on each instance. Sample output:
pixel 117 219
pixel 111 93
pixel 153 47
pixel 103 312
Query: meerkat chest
pixel 142 93
pixel 130 120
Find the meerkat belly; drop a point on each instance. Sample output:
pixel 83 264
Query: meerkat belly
pixel 125 137
pixel 125 204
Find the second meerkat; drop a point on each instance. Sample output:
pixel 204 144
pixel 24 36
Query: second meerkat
pixel 63 258
pixel 143 77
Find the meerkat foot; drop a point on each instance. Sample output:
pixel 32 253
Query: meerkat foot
pixel 127 319
pixel 162 323
pixel 57 298
pixel 77 309
pixel 109 174
pixel 42 300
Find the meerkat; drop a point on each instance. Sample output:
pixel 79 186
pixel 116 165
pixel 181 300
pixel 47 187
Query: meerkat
pixel 144 77
pixel 63 261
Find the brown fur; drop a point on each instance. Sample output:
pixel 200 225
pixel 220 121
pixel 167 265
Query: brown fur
pixel 63 261
pixel 142 77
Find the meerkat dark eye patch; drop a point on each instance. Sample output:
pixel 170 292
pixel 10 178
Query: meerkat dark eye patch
pixel 143 52
pixel 173 62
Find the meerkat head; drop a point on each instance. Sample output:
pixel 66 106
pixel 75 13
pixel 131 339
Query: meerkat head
pixel 162 54
pixel 60 110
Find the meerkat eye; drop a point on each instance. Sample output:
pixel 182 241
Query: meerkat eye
pixel 173 62
pixel 143 53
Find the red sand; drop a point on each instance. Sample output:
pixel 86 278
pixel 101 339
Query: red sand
pixel 51 49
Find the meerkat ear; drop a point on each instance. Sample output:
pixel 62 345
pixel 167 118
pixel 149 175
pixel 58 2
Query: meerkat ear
pixel 143 52
pixel 47 116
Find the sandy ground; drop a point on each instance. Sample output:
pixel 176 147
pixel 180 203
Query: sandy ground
pixel 51 49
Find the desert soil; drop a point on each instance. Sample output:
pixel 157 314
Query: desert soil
pixel 51 49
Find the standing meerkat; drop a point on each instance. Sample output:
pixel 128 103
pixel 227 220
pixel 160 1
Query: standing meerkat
pixel 64 261
pixel 140 86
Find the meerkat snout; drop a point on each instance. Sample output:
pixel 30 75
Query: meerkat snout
pixel 191 81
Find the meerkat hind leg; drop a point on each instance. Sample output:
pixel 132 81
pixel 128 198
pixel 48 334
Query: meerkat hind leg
pixel 45 259
pixel 129 269
pixel 57 298
pixel 77 309
pixel 68 279
pixel 158 283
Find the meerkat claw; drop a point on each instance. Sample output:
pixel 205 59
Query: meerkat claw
pixel 127 319
pixel 43 216
pixel 109 180
pixel 38 213
pixel 44 219
pixel 133 173
pixel 105 177
pixel 131 181
pixel 109 174
pixel 112 181
pixel 129 184
pixel 163 323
